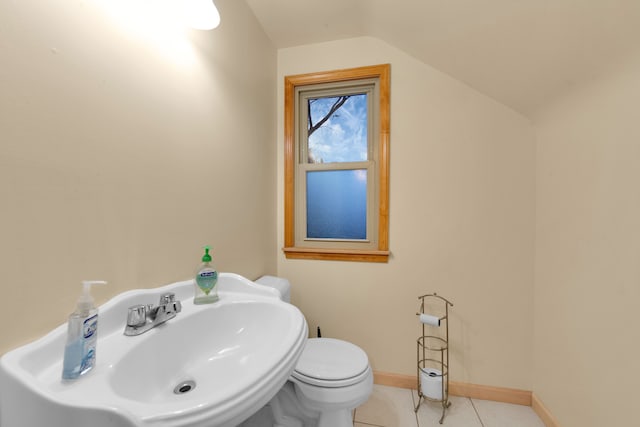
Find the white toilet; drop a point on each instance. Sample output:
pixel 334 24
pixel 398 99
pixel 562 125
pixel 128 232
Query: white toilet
pixel 331 378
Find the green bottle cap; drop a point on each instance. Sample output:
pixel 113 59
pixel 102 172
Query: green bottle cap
pixel 206 257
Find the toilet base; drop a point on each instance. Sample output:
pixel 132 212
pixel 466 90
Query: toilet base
pixel 290 408
pixel 340 418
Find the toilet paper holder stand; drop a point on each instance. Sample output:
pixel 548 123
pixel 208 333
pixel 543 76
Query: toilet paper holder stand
pixel 433 351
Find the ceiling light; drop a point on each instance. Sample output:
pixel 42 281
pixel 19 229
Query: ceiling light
pixel 201 14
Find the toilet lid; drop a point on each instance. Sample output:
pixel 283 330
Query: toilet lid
pixel 331 362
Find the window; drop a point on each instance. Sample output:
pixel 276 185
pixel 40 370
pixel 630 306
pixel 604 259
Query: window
pixel 337 165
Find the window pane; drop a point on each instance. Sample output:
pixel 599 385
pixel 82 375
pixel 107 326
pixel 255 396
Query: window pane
pixel 337 129
pixel 337 204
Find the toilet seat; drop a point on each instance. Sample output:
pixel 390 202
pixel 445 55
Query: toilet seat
pixel 328 362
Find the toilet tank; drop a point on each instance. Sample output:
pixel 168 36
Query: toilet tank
pixel 280 283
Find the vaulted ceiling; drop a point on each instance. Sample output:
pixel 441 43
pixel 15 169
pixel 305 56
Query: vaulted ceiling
pixel 523 53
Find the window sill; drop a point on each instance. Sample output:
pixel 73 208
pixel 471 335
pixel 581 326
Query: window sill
pixel 336 254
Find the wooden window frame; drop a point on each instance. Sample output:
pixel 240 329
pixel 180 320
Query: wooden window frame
pixel 291 251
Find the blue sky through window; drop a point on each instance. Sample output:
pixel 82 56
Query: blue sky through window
pixel 343 137
pixel 337 199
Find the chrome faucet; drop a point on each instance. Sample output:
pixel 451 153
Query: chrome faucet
pixel 142 318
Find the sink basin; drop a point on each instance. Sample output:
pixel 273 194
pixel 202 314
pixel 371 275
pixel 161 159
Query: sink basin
pixel 212 365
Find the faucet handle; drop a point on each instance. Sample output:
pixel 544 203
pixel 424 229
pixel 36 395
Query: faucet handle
pixel 168 303
pixel 167 298
pixel 177 306
pixel 137 315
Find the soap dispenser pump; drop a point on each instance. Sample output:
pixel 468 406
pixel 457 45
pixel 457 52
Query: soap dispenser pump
pixel 206 280
pixel 82 335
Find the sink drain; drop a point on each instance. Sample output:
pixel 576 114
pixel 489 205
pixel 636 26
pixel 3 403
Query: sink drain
pixel 184 387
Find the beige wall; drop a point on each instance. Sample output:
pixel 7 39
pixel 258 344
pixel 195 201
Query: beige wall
pixel 124 149
pixel 461 224
pixel 587 259
pixel 119 146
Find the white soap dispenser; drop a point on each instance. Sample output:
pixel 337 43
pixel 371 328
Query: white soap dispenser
pixel 82 335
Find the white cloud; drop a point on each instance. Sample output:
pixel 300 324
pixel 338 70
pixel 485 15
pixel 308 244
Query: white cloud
pixel 344 136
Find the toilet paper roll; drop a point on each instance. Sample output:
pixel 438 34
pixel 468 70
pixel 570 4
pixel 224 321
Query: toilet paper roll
pixel 431 383
pixel 428 319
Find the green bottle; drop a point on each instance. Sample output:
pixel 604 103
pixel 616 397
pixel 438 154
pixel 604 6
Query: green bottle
pixel 206 280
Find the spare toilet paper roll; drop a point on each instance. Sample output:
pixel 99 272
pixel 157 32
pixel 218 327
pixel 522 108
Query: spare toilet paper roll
pixel 428 319
pixel 431 383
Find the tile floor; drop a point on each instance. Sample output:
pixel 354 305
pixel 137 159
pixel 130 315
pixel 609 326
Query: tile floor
pixel 393 407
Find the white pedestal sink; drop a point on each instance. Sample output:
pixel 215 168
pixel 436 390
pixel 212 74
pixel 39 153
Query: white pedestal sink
pixel 212 365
